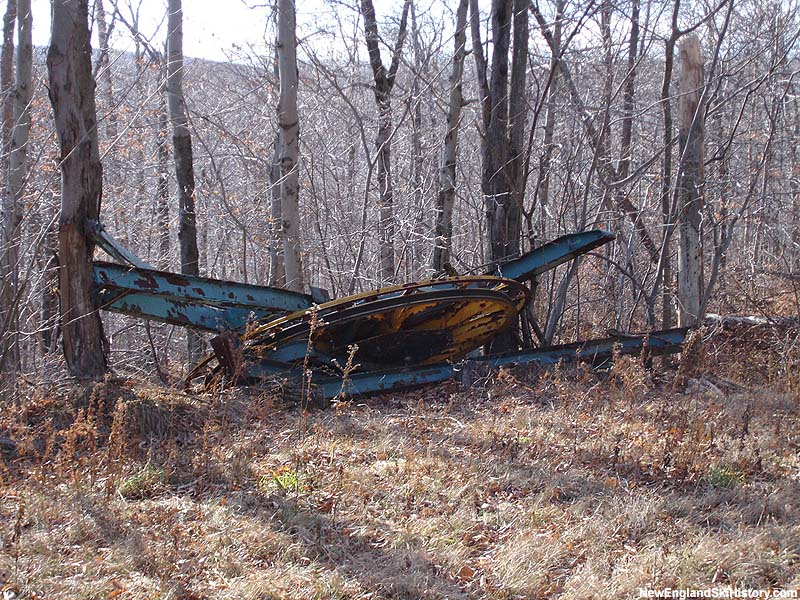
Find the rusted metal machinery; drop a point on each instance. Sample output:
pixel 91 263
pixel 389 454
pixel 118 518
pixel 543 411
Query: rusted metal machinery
pixel 390 338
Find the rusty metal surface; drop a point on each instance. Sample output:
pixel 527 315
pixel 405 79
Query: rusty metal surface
pixel 593 351
pixel 165 309
pixel 200 302
pixel 216 305
pixel 397 337
pixel 412 324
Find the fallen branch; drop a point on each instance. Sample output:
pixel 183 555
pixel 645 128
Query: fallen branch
pixel 751 321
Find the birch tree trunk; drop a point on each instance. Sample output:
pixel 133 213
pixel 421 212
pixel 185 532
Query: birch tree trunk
pixel 289 133
pixel 182 153
pixel 72 96
pixel 690 181
pixel 445 199
pixel 277 273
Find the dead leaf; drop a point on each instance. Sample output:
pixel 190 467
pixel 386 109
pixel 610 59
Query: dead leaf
pixel 466 573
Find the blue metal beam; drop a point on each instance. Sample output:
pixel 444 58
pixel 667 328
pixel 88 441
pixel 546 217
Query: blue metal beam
pixel 166 309
pixel 594 351
pixel 384 381
pixel 201 302
pixel 552 254
pixel 97 232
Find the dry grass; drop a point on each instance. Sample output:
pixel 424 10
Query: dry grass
pixel 567 484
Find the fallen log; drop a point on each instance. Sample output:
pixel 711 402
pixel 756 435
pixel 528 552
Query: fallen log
pixel 750 321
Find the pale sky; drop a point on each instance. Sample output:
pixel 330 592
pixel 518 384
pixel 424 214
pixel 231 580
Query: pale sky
pixel 211 28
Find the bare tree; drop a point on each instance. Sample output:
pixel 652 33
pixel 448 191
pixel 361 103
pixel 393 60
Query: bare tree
pixel 72 96
pixel 18 170
pixel 690 182
pixel 162 184
pixel 103 67
pixel 277 271
pixel 607 172
pixel 504 110
pixel 289 133
pixel 182 153
pixel 445 199
pixel 495 181
pixel 542 190
pixel 667 313
pixel 7 76
pixel 8 269
pixel 517 117
pixel 384 82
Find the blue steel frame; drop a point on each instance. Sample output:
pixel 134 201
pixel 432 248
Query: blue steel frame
pixel 214 305
pixel 596 352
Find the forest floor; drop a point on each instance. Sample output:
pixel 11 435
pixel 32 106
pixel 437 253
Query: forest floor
pixel 566 483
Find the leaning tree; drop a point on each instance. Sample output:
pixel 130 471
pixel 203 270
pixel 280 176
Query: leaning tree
pixel 72 89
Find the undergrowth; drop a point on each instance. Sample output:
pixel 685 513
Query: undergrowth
pixel 565 483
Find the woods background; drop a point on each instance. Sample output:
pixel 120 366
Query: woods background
pixel 433 136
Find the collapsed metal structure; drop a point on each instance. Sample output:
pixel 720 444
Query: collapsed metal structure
pixel 389 338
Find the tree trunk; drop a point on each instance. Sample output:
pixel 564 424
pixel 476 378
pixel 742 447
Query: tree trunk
pixel 517 118
pixel 289 133
pixel 162 186
pixel 443 229
pixel 384 82
pixel 103 69
pixel 17 175
pixel 690 182
pixel 629 94
pixel 794 186
pixel 417 233
pixel 47 260
pixel 182 153
pixel 8 265
pixel 7 77
pixel 72 96
pixel 495 180
pixel 277 273
pixel 542 194
pixel 386 225
pixel 667 313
